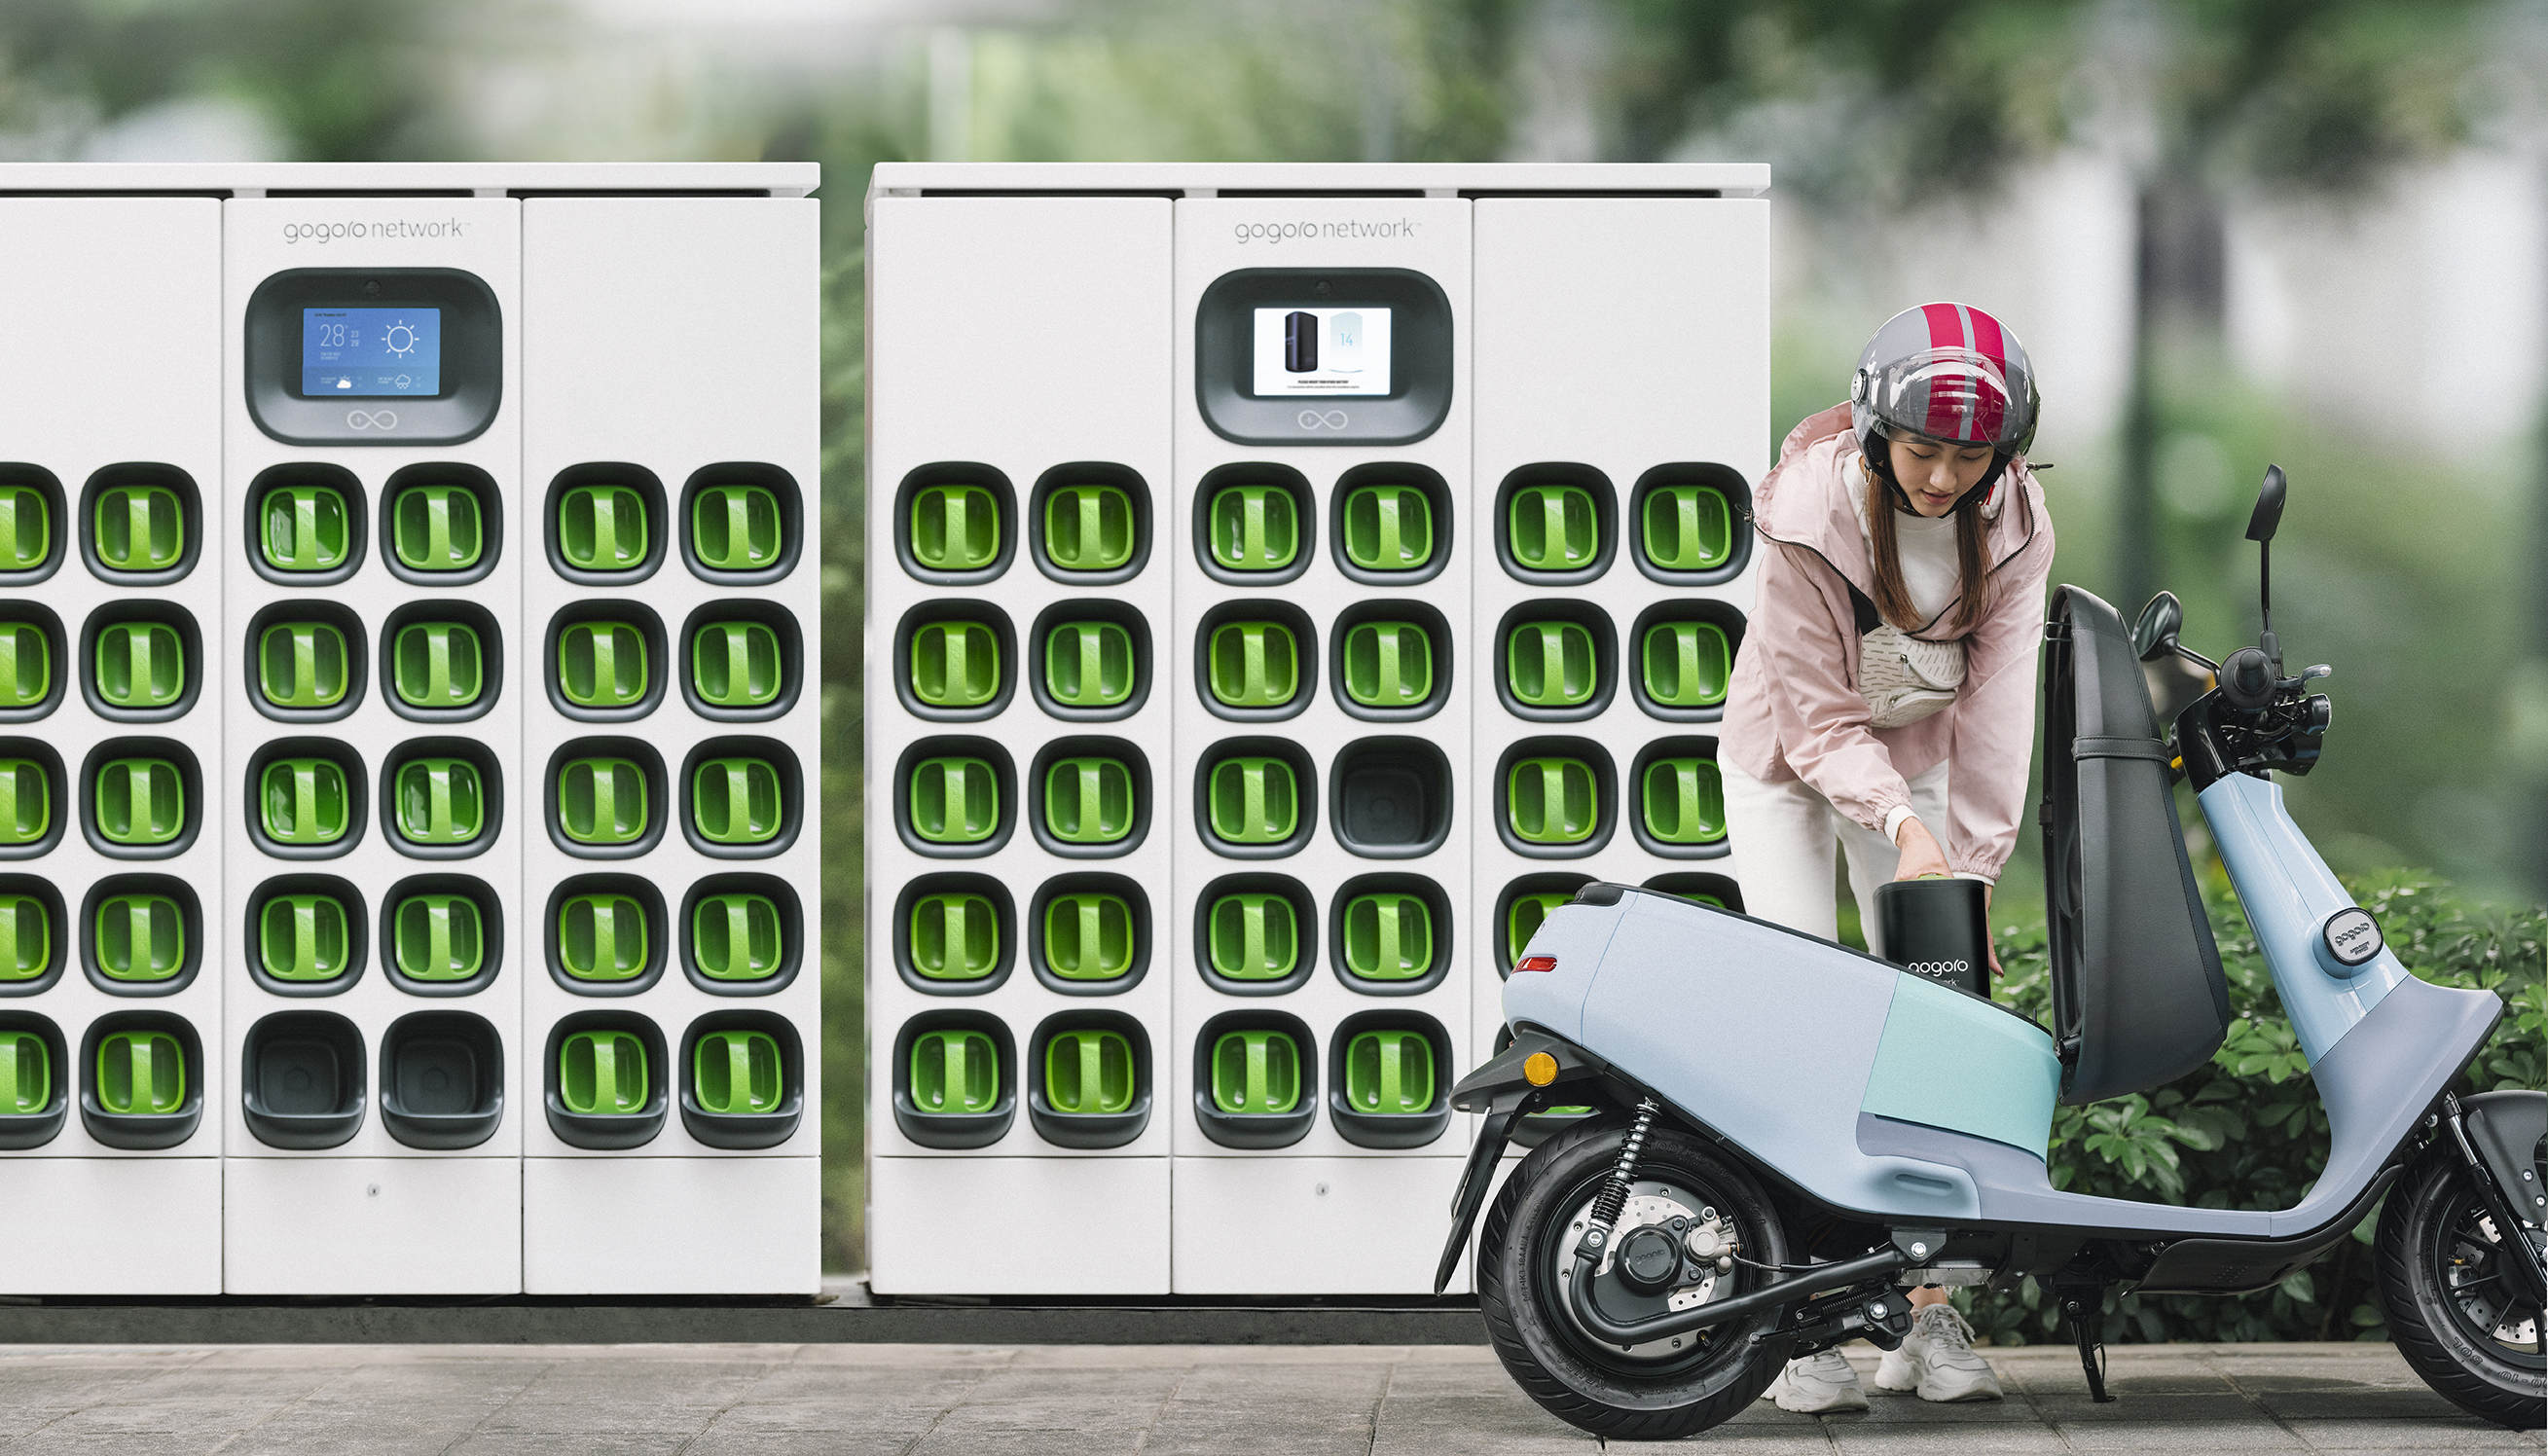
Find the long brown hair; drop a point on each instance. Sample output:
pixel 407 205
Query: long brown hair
pixel 1893 593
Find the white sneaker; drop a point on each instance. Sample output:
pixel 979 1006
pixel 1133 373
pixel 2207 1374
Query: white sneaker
pixel 1817 1386
pixel 1937 1361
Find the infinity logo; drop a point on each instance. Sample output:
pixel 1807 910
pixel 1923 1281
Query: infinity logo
pixel 359 419
pixel 1312 419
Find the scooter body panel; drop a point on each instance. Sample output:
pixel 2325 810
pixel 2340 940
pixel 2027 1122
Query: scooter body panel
pixel 2288 895
pixel 1948 1061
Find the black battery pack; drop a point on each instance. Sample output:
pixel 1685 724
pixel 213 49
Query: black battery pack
pixel 1939 928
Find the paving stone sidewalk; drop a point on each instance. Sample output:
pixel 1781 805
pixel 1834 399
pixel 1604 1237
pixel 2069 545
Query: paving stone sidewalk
pixel 1156 1400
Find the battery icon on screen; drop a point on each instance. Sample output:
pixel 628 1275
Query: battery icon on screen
pixel 1300 342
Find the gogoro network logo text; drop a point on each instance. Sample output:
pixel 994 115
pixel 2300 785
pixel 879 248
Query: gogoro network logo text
pixel 327 232
pixel 1280 233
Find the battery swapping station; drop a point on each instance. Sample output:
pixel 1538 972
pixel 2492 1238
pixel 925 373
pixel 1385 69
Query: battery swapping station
pixel 1290 581
pixel 405 616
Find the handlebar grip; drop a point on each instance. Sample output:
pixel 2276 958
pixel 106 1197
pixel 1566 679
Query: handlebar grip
pixel 2248 679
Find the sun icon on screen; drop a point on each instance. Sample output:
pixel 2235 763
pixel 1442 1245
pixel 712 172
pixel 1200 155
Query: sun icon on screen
pixel 399 339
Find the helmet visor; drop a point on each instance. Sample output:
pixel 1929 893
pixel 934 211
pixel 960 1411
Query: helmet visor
pixel 1956 395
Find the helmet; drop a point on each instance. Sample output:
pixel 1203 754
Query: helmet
pixel 1943 372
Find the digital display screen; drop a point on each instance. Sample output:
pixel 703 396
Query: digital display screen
pixel 371 352
pixel 1321 352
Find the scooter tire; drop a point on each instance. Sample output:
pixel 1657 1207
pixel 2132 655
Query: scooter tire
pixel 1545 1358
pixel 2477 1374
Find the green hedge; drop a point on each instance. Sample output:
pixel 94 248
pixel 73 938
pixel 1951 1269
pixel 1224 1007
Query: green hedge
pixel 2246 1131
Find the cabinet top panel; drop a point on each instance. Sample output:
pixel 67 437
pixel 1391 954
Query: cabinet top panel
pixel 254 179
pixel 1412 179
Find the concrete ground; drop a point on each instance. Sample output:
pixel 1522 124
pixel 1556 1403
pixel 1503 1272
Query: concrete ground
pixel 1058 1401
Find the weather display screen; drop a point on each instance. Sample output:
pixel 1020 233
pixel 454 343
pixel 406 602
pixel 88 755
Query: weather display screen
pixel 1321 352
pixel 371 352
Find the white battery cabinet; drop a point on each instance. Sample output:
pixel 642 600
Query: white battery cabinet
pixel 463 521
pixel 1433 564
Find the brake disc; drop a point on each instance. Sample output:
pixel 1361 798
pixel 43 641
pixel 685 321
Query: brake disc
pixel 1650 1201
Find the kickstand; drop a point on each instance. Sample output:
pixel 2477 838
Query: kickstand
pixel 2084 1319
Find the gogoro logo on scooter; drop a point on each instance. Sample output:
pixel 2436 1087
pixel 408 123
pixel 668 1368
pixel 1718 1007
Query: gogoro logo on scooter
pixel 1939 970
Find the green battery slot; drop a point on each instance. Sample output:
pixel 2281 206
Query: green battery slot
pixel 1522 918
pixel 736 528
pixel 602 938
pixel 1089 1072
pixel 438 665
pixel 305 528
pixel 1257 1072
pixel 1088 802
pixel 602 665
pixel 440 801
pixel 299 665
pixel 1554 528
pixel 1388 528
pixel 1254 665
pixel 304 938
pixel 736 802
pixel 26 528
pixel 1553 801
pixel 1390 1073
pixel 602 802
pixel 953 665
pixel 1687 665
pixel 436 528
pixel 140 937
pixel 602 1074
pixel 955 802
pixel 140 1073
pixel 737 1074
pixel 1688 528
pixel 1684 801
pixel 955 935
pixel 1552 665
pixel 439 938
pixel 1387 937
pixel 26 801
pixel 140 801
pixel 954 528
pixel 1254 529
pixel 736 936
pixel 735 665
pixel 140 528
pixel 25 938
pixel 304 801
pixel 1254 936
pixel 1088 936
pixel 142 664
pixel 955 1072
pixel 26 665
pixel 1388 665
pixel 1088 664
pixel 1088 528
pixel 602 528
pixel 1254 801
pixel 26 1074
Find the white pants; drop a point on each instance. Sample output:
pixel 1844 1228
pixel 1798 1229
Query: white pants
pixel 1783 834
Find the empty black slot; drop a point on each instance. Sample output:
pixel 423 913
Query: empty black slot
pixel 1392 797
pixel 442 1080
pixel 301 1080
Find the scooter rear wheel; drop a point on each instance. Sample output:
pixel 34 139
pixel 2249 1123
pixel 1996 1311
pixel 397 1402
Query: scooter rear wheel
pixel 1672 1388
pixel 2452 1305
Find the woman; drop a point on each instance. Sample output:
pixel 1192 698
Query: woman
pixel 1885 696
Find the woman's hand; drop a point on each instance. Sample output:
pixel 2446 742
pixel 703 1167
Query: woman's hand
pixel 1920 853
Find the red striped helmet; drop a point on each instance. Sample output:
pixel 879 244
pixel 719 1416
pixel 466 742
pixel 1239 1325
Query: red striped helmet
pixel 1945 372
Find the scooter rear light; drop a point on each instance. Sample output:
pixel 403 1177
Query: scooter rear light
pixel 1537 962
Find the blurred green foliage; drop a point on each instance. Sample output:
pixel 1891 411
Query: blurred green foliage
pixel 2246 1130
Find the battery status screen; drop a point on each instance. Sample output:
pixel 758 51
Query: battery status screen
pixel 371 352
pixel 1321 352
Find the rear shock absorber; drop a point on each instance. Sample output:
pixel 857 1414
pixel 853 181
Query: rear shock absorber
pixel 1613 1197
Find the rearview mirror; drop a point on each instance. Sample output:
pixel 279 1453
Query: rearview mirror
pixel 2154 635
pixel 2269 507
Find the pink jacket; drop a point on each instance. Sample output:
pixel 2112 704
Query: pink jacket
pixel 1794 711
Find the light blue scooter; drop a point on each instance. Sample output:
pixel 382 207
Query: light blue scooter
pixel 1787 1132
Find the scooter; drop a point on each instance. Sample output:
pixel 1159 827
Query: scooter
pixel 1785 1133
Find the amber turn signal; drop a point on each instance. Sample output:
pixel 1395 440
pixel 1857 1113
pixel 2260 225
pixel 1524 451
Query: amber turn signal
pixel 1539 1068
